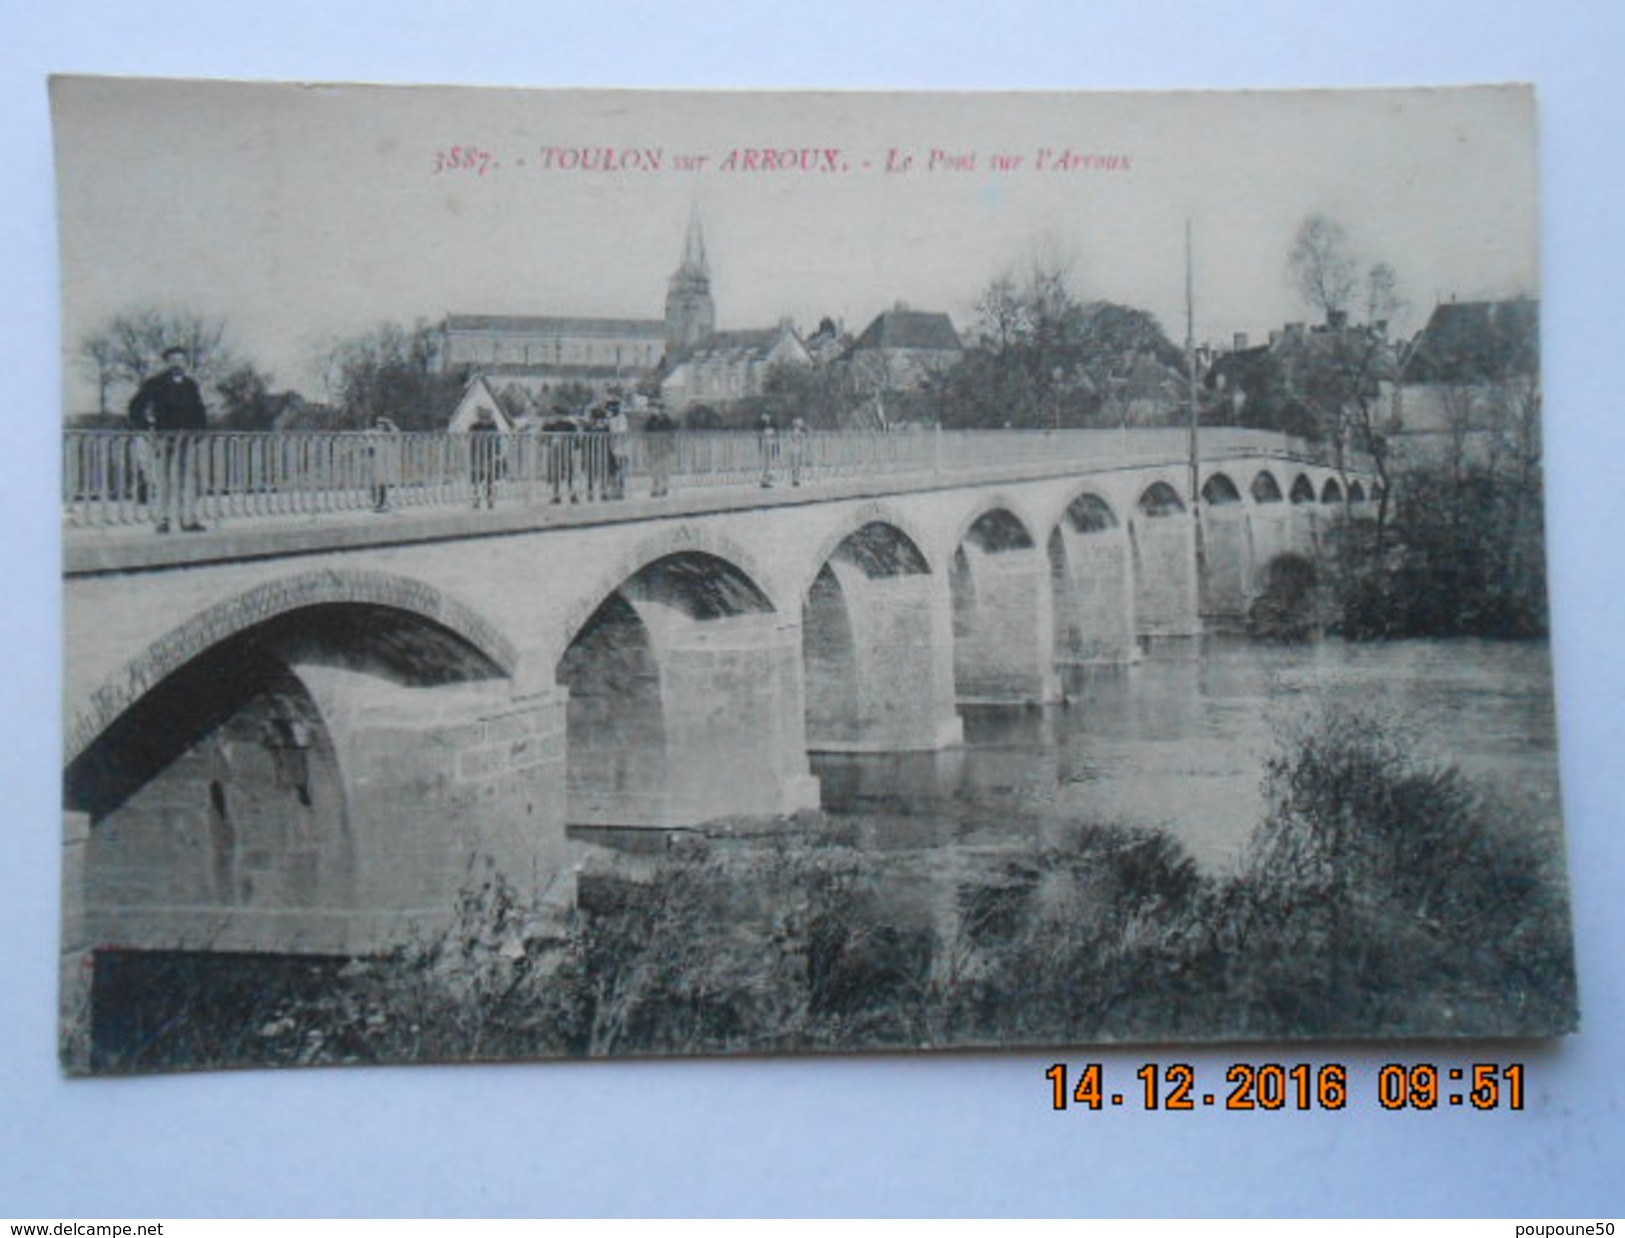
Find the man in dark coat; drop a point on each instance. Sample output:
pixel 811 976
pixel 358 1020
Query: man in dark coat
pixel 560 435
pixel 170 403
pixel 485 457
pixel 659 431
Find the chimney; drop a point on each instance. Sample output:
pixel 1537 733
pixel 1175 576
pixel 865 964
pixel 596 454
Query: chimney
pixel 1240 342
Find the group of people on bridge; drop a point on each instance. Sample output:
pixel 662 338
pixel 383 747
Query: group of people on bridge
pixel 582 455
pixel 588 456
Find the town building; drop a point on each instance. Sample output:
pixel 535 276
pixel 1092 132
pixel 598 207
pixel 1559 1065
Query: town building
pixel 726 366
pixel 1277 385
pixel 479 396
pixel 534 358
pixel 1468 365
pixel 525 364
pixel 903 348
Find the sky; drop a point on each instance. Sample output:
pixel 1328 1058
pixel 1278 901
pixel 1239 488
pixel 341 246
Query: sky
pixel 299 214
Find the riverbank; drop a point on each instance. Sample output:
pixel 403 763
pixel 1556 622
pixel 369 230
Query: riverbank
pixel 1379 894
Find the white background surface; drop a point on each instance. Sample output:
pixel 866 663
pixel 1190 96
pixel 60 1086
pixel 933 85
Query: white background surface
pixel 959 1133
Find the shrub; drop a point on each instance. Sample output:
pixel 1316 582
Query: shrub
pixel 1383 894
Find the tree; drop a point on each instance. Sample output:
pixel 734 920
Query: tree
pixel 1338 370
pixel 821 395
pixel 1468 545
pixel 1321 266
pixel 1045 358
pixel 517 402
pixel 250 403
pixel 396 372
pixel 99 353
pixel 130 348
pixel 574 397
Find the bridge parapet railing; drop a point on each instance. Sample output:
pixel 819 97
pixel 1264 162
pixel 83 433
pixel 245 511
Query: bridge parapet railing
pixel 115 477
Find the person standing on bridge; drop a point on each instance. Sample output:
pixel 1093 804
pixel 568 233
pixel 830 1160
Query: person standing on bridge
pixel 170 406
pixel 383 460
pixel 561 440
pixel 798 450
pixel 618 461
pixel 595 453
pixel 485 456
pixel 658 432
pixel 767 441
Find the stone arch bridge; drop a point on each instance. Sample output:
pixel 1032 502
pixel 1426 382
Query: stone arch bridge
pixel 299 734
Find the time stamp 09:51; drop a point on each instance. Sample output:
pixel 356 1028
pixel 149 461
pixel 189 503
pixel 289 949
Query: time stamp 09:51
pixel 1271 1086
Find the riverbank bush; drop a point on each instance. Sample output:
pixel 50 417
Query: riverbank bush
pixel 1384 895
pixel 1464 555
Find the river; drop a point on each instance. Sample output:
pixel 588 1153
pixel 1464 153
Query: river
pixel 1179 741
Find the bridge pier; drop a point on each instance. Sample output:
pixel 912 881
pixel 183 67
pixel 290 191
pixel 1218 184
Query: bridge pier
pixel 1163 534
pixel 880 672
pixel 1227 571
pixel 674 720
pixel 443 784
pixel 1093 590
pixel 1271 534
pixel 1004 626
pixel 735 727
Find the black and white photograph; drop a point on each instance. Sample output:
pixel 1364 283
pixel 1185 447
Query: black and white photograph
pixel 589 573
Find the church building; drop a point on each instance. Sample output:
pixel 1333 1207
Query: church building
pixel 539 354
pixel 527 360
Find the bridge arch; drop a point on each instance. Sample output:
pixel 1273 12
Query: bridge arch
pixel 1091 582
pixel 1220 491
pixel 877 640
pixel 1158 500
pixel 1331 492
pixel 676 540
pixel 225 620
pixel 683 700
pixel 1088 512
pixel 1166 588
pixel 1265 489
pixel 999 587
pixel 879 524
pixel 251 795
pixel 1227 545
pixel 1303 490
pixel 998 523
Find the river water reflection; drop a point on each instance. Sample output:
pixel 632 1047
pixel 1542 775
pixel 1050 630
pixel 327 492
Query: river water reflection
pixel 1180 741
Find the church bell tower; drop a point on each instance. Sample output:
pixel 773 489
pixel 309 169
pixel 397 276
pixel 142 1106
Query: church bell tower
pixel 690 315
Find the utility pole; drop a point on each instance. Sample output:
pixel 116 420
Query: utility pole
pixel 1190 397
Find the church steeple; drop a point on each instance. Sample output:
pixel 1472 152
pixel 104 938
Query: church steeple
pixel 694 248
pixel 690 315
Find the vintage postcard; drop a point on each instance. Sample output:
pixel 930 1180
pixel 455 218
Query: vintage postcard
pixel 567 573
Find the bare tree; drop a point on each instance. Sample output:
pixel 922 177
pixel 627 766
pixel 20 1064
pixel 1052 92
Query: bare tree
pixel 129 348
pixel 1322 267
pixel 1002 312
pixel 99 354
pixel 394 371
pixel 1340 371
pixel 1045 357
